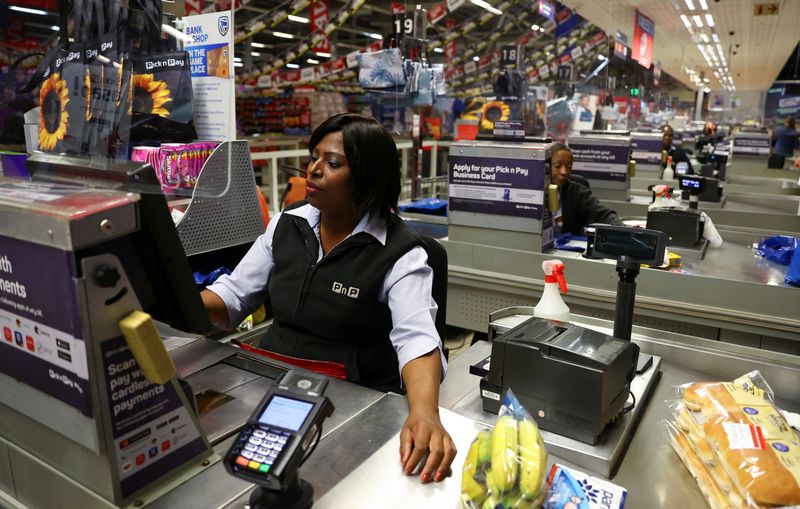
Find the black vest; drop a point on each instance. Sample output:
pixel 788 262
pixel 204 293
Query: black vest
pixel 330 310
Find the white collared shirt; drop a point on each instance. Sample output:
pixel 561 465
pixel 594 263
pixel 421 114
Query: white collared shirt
pixel 406 287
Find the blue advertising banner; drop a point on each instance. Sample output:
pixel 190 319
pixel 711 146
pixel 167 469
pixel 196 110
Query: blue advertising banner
pixel 566 21
pixel 596 162
pixel 490 185
pixel 152 430
pixel 42 343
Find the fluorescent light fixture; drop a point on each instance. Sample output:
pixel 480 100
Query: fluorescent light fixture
pixel 438 50
pixel 26 10
pixel 284 35
pixel 237 59
pixel 706 80
pixel 704 37
pixel 535 27
pixel 601 57
pixel 697 21
pixel 719 48
pixel 297 19
pixel 238 64
pixel 710 20
pixel 686 21
pixel 55 27
pixel 374 36
pixel 255 54
pixel 542 29
pixel 258 45
pixel 476 58
pixel 293 66
pixel 487 6
pixel 715 37
pixel 322 54
pixel 312 61
pixel 689 5
pixel 703 5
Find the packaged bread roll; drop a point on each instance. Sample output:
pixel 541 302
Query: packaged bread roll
pixel 754 443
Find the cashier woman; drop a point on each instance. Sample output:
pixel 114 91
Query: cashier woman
pixel 577 206
pixel 348 283
pixel 677 154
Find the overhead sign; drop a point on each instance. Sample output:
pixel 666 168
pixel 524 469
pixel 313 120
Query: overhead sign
pixel 546 9
pixel 765 9
pixel 621 45
pixel 436 13
pixel 211 63
pixel 320 16
pixel 643 35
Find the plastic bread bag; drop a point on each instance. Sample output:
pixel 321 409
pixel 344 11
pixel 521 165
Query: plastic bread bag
pixel 751 438
pixel 714 495
pixel 505 467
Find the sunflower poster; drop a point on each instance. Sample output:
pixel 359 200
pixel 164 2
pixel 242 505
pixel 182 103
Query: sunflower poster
pixel 211 65
pixel 162 102
pixel 62 100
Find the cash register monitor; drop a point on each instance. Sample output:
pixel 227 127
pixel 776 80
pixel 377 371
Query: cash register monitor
pixel 153 256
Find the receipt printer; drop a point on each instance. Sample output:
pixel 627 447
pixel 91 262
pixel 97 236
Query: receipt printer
pixel 683 226
pixel 572 380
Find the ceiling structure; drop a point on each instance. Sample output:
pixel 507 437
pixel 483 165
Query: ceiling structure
pixel 762 43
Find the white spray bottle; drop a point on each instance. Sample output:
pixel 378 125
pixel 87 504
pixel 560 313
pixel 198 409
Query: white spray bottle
pixel 551 306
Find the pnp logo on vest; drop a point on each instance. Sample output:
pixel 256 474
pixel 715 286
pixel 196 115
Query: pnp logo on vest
pixel 350 291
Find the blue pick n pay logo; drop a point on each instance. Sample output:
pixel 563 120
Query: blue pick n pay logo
pixel 222 24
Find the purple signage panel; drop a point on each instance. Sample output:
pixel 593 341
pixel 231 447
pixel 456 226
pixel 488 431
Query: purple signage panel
pixel 647 150
pixel 597 162
pixel 153 432
pixel 500 186
pixel 42 344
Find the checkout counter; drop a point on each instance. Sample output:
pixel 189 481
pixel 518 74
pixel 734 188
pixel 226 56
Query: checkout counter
pixel 86 420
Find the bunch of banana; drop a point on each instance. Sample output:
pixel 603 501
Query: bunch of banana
pixel 504 469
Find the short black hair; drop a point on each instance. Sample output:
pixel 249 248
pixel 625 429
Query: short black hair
pixel 373 160
pixel 558 147
pixel 667 126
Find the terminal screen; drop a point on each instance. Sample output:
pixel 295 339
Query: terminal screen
pixel 285 413
pixel 681 168
pixel 618 243
pixel 688 183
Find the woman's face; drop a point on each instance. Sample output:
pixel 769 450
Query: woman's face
pixel 561 167
pixel 328 179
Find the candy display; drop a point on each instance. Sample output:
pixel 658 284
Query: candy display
pixel 177 164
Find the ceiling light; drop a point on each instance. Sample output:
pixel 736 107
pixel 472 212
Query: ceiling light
pixel 686 21
pixel 374 36
pixel 312 61
pixel 55 27
pixel 255 54
pixel 706 80
pixel 476 58
pixel 689 4
pixel 258 45
pixel 719 48
pixel 698 21
pixel 237 59
pixel 485 5
pixel 703 5
pixel 715 37
pixel 297 19
pixel 284 35
pixel 292 66
pixel 601 57
pixel 238 64
pixel 438 50
pixel 27 10
pixel 541 29
pixel 322 54
pixel 704 37
pixel 535 27
pixel 709 20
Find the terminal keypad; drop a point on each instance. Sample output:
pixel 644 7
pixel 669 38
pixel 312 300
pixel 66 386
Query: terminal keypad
pixel 258 448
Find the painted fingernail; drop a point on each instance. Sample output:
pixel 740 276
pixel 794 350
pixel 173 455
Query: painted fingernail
pixel 437 477
pixel 426 477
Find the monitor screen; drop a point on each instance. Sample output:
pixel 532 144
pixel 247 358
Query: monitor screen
pixel 637 245
pixel 681 168
pixel 286 413
pixel 690 184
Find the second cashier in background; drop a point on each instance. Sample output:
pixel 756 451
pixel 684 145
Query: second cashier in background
pixel 348 282
pixel 577 206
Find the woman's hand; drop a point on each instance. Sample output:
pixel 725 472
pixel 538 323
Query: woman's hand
pixel 423 431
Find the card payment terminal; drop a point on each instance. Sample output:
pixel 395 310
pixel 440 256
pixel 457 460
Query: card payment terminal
pixel 278 436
